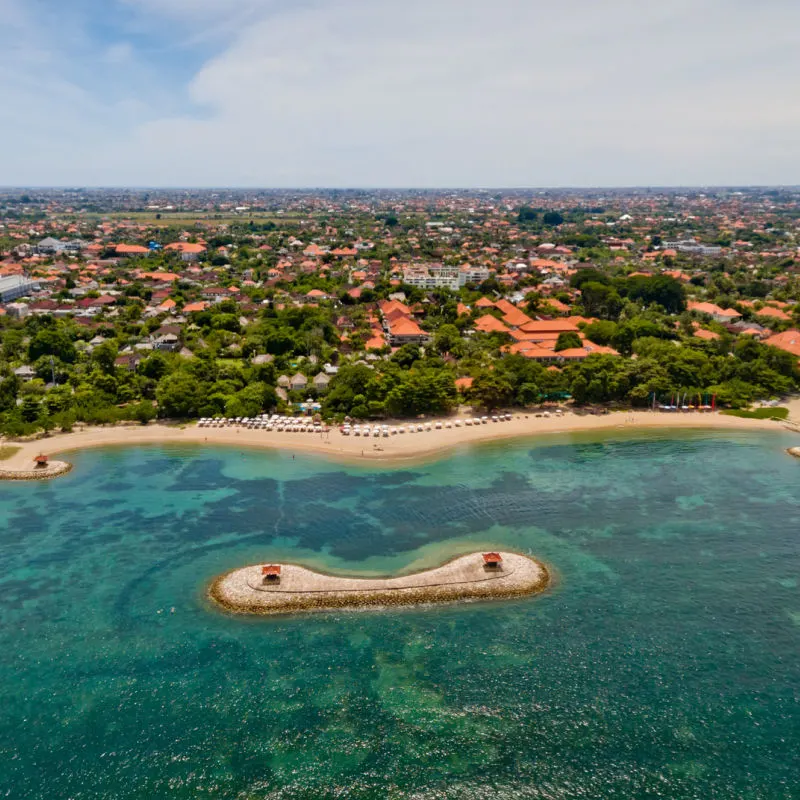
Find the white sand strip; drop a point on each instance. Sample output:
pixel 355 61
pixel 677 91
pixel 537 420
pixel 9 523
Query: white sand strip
pixel 399 448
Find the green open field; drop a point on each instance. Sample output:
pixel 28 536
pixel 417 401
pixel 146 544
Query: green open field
pixel 187 219
pixel 759 413
pixel 7 450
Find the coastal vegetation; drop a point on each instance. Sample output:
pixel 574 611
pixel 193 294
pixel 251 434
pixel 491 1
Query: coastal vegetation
pixel 90 387
pixel 759 413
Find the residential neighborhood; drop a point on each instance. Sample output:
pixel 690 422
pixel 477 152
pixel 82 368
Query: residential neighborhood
pixel 131 305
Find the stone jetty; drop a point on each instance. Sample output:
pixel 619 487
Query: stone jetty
pixel 286 588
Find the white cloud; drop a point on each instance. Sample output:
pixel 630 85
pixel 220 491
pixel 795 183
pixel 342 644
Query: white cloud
pixel 464 92
pixel 119 53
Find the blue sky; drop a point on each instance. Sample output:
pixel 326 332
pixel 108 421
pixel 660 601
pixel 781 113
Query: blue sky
pixel 423 93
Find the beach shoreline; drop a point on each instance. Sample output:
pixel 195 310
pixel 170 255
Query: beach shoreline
pixel 395 450
pixel 299 589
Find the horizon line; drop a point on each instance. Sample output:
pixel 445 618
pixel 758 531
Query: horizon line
pixel 188 187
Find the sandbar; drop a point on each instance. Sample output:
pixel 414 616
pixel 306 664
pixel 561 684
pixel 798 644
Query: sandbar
pixel 299 589
pixel 398 449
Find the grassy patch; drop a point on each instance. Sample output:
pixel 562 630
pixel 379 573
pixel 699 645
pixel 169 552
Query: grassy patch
pixel 6 451
pixel 759 413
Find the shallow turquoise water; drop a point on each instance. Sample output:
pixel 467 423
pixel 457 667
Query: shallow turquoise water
pixel 664 664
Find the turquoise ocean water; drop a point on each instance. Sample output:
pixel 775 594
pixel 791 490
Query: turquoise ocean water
pixel 665 663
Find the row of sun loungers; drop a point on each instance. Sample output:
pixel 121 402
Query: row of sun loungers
pixel 266 423
pixel 377 431
pixel 276 422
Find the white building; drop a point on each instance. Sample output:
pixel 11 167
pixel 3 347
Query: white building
pixel 470 274
pixel 441 277
pixel 692 247
pixel 18 310
pixel 432 277
pixel 15 286
pixel 50 246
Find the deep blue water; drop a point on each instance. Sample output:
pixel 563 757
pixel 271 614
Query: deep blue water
pixel 665 662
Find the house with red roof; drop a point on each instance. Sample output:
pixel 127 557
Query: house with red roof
pixel 158 277
pixel 512 316
pixel 129 250
pixel 404 330
pixel 377 340
pixel 389 306
pixel 189 251
pixel 789 341
pixel 773 313
pixel 714 311
pixel 489 324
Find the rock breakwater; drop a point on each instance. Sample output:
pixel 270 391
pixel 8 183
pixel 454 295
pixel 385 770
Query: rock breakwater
pixel 297 589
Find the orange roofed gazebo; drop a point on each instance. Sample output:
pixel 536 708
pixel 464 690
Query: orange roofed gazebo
pixel 41 460
pixel 492 560
pixel 271 572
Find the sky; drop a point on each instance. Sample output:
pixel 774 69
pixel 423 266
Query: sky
pixel 420 93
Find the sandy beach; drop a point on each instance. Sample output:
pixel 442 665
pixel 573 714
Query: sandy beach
pixel 246 591
pixel 392 450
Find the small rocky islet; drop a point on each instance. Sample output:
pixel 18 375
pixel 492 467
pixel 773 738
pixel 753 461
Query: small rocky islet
pixel 285 588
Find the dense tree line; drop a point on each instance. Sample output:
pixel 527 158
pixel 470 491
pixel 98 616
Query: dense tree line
pixel 643 318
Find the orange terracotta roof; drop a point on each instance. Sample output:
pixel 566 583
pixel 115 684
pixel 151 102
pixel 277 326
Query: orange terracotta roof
pixel 545 337
pixel 549 326
pixel 709 336
pixel 404 326
pixel 388 306
pixel 186 247
pixel 578 353
pixel 712 309
pixel 376 342
pixel 529 350
pixel 788 341
pixel 490 324
pixel 774 313
pixel 557 305
pixel 166 277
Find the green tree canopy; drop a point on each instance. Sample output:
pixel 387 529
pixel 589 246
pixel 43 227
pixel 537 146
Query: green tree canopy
pixel 567 340
pixel 490 390
pixel 52 341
